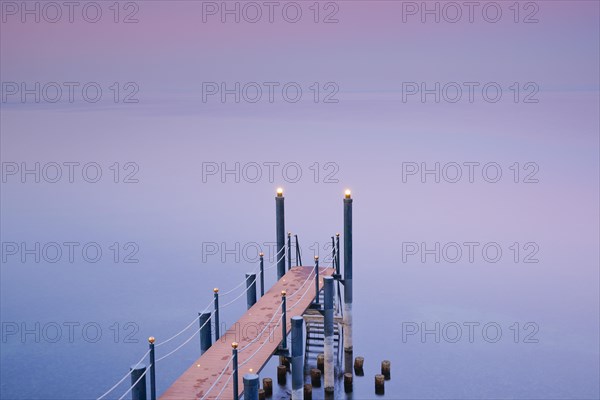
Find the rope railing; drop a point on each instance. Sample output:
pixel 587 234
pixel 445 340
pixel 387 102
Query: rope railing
pixel 308 278
pixel 306 291
pixel 187 327
pixel 261 346
pixel 218 378
pixel 135 383
pixel 186 342
pixel 226 383
pixel 255 271
pixel 258 335
pixel 123 378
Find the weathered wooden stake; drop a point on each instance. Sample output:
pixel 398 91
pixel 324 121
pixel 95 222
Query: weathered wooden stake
pixel 280 230
pixel 321 362
pixel 268 386
pixel 261 394
pixel 315 377
pixel 386 367
pixel 348 382
pixel 358 366
pixel 297 359
pixel 307 391
pixel 139 390
pixel 283 360
pixel 281 374
pixel 250 290
pixel 379 384
pixel 328 345
pixel 250 387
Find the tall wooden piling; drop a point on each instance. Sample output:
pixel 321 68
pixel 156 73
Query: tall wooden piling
pixel 205 332
pixel 151 341
pixel 262 274
pixel 216 316
pixel 297 359
pixel 250 387
pixel 234 354
pixel 250 290
pixel 138 381
pixel 280 231
pixel 347 271
pixel 328 345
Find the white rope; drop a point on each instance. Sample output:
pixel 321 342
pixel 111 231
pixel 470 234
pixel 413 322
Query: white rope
pixel 276 254
pixel 225 385
pixel 218 378
pixel 240 295
pixel 307 289
pixel 231 290
pixel 275 263
pixel 261 346
pixel 136 382
pixel 184 343
pixel 261 332
pixel 276 312
pixel 256 271
pixel 125 377
pixel 180 332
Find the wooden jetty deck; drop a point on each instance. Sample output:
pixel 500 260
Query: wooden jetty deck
pixel 198 379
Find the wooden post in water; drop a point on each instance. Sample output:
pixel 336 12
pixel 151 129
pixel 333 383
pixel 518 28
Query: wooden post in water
pixel 328 345
pixel 386 367
pixel 139 389
pixel 379 384
pixel 317 279
pixel 321 362
pixel 347 271
pixel 280 231
pixel 250 387
pixel 289 250
pixel 152 369
pixel 234 354
pixel 268 386
pixel 250 290
pixel 307 391
pixel 337 252
pixel 281 374
pixel 262 273
pixel 348 382
pixel 283 321
pixel 216 303
pixel 205 332
pixel 315 377
pixel 358 366
pixel 297 359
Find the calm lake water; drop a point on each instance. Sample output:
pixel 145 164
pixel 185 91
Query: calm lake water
pixel 475 223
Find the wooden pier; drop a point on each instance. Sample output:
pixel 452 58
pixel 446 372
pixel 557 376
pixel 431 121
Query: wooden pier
pixel 198 381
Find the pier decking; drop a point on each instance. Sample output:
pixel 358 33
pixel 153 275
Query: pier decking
pixel 196 382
